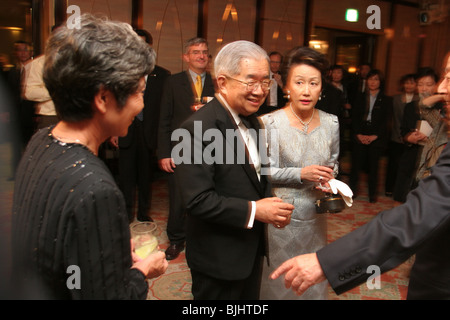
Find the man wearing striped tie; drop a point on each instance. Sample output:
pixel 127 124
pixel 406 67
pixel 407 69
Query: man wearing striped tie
pixel 184 93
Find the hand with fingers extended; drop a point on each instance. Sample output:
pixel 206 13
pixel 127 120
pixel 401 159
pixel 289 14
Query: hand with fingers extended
pixel 274 211
pixel 301 272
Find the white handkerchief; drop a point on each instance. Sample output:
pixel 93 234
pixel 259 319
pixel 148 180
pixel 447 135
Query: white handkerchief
pixel 424 127
pixel 343 189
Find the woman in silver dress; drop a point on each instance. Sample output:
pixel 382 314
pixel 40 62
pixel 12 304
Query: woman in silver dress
pixel 303 156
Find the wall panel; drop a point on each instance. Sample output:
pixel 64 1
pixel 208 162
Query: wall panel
pixel 283 25
pixel 171 23
pixel 113 9
pixel 228 21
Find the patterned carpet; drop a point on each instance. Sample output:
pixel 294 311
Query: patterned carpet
pixel 175 284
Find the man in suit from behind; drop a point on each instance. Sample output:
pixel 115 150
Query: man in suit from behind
pixel 228 201
pixel 184 93
pixel 137 149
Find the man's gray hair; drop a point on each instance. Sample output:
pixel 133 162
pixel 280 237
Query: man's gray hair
pixel 228 60
pixel 192 42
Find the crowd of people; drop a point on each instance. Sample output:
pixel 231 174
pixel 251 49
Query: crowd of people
pixel 236 222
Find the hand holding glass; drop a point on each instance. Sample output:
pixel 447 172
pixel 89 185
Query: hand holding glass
pixel 325 187
pixel 144 240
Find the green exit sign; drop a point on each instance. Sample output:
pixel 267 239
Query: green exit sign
pixel 351 15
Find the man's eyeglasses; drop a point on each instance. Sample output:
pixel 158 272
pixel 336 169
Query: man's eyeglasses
pixel 253 85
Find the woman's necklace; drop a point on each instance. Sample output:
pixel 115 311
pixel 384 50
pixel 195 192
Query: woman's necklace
pixel 305 124
pixel 64 140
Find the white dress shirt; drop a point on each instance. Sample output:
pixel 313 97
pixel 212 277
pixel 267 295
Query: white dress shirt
pixel 251 147
pixel 35 89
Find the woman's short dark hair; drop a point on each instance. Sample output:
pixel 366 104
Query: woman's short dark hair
pixel 100 54
pixel 377 72
pixel 427 72
pixel 303 55
pixel 405 78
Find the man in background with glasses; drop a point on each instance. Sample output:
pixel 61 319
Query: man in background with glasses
pixel 229 202
pixel 275 99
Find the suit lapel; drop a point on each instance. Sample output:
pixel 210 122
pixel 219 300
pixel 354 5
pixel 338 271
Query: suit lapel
pixel 188 86
pixel 226 122
pixel 208 87
pixel 151 78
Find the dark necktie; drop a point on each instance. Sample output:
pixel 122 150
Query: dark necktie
pixel 246 121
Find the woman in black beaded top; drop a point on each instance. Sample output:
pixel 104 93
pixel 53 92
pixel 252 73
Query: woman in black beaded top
pixel 69 215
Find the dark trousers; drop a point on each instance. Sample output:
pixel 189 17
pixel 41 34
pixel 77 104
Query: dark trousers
pixel 395 151
pixel 176 222
pixel 136 173
pixel 365 155
pixel 208 288
pixel 406 175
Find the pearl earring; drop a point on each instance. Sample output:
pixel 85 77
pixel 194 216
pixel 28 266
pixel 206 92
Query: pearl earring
pixel 287 95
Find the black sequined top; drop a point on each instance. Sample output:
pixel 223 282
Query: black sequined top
pixel 70 232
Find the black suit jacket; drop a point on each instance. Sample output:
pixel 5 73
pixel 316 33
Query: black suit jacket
pixel 422 225
pixel 176 106
pixel 332 100
pixel 217 197
pixel 22 111
pixel 152 102
pixel 379 119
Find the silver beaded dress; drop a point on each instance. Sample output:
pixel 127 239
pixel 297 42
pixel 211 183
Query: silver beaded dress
pixel 291 149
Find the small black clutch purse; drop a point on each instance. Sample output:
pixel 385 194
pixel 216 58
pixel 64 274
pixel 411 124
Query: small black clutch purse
pixel 331 203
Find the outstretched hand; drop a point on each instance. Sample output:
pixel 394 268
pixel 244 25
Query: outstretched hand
pixel 301 272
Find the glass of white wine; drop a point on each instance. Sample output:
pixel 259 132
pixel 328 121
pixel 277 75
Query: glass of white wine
pixel 144 239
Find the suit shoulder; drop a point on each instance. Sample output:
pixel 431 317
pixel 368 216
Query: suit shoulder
pixel 172 80
pixel 177 78
pixel 162 71
pixel 207 115
pixel 179 75
pixel 386 98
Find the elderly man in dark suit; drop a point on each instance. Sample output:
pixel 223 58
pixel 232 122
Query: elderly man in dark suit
pixel 228 200
pixel 421 225
pixel 138 147
pixel 184 93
